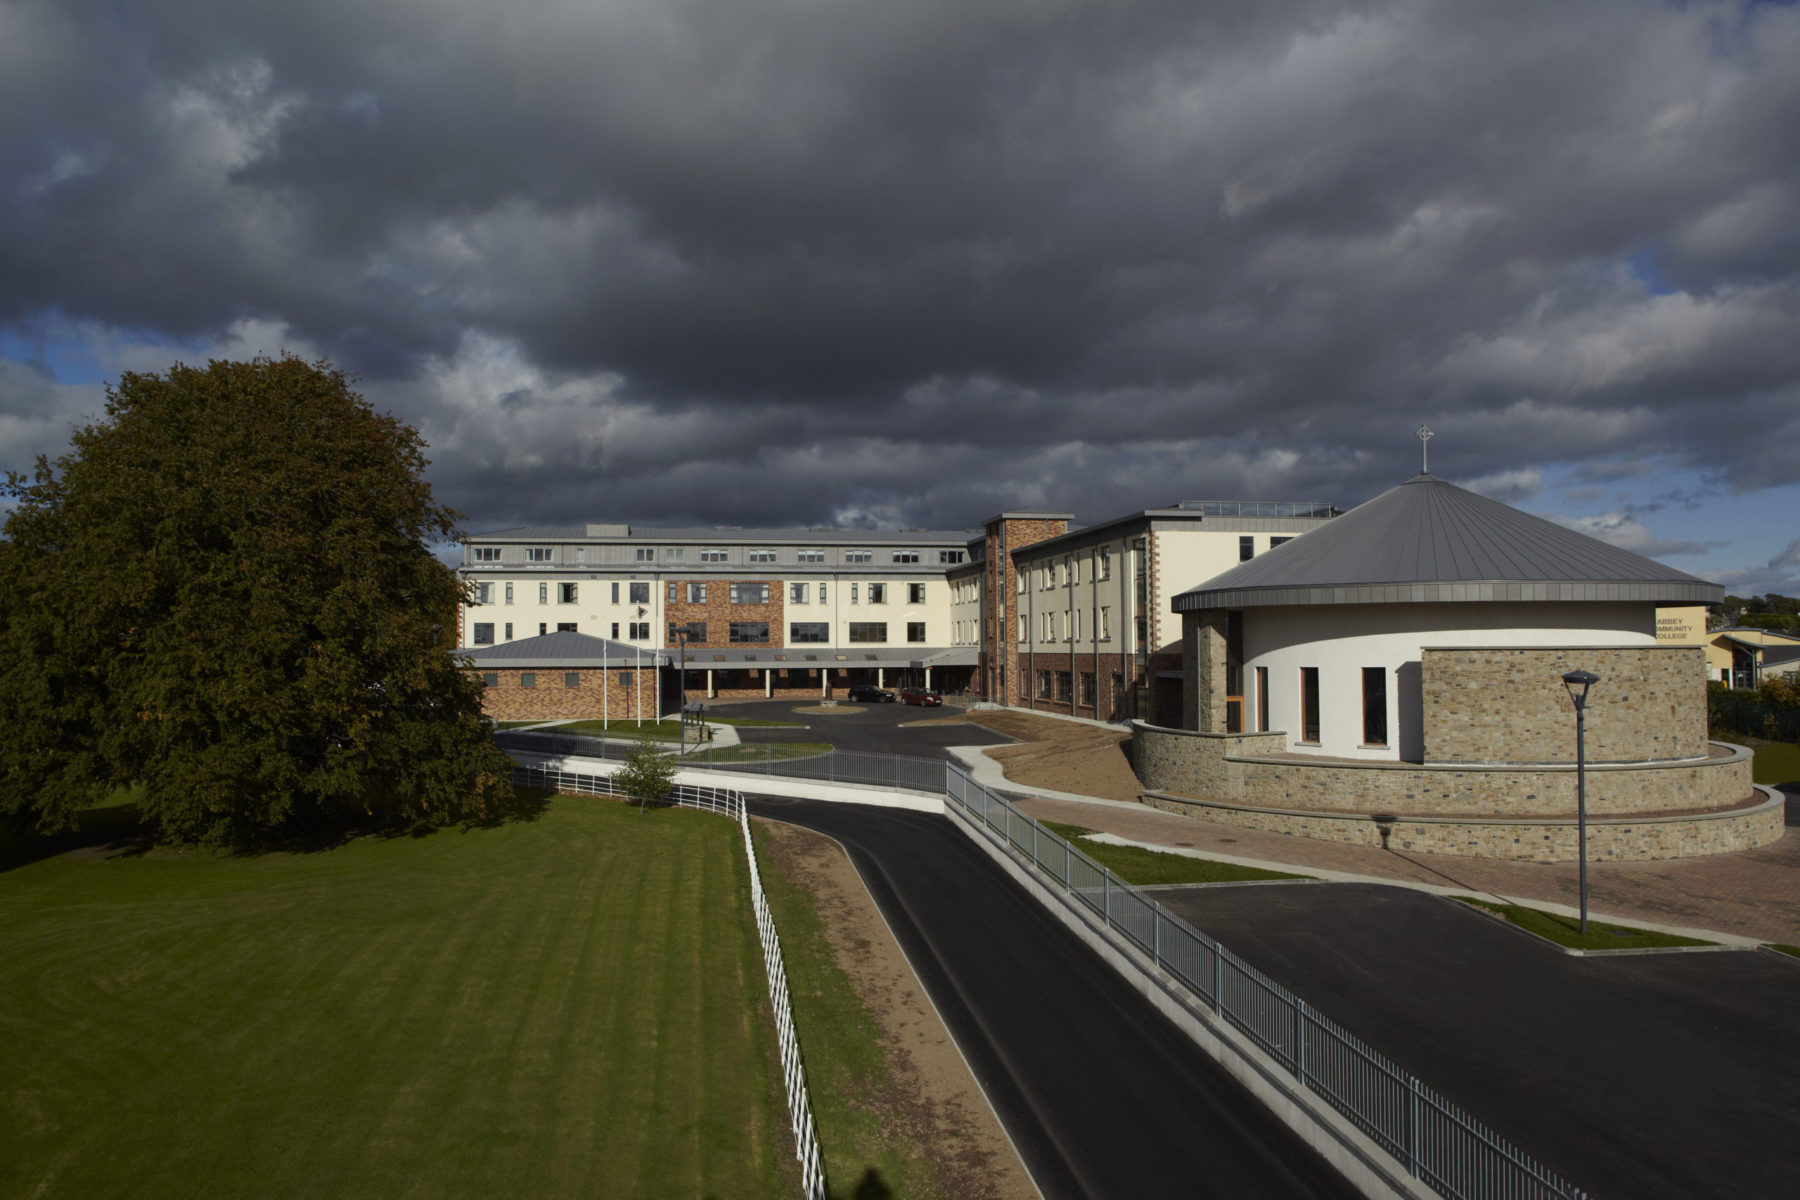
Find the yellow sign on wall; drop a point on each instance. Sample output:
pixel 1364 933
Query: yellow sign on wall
pixel 1681 626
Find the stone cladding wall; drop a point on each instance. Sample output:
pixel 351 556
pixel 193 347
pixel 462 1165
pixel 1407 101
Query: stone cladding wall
pixel 1253 769
pixel 1203 671
pixel 1615 839
pixel 1509 705
pixel 1000 602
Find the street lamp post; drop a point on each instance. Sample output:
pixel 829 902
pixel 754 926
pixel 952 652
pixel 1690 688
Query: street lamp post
pixel 1578 683
pixel 681 636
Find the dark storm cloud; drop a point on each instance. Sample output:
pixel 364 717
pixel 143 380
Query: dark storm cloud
pixel 914 263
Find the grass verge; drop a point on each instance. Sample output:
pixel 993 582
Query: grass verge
pixel 1783 948
pixel 1136 865
pixel 847 1067
pixel 562 1006
pixel 662 731
pixel 1566 931
pixel 1775 762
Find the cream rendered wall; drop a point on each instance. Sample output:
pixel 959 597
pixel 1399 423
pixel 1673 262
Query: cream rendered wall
pixel 1340 640
pixel 1187 558
pixel 935 612
pixel 965 610
pixel 593 611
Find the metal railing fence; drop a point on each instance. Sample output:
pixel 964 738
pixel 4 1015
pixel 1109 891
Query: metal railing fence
pixel 759 758
pixel 793 1071
pixel 1436 1141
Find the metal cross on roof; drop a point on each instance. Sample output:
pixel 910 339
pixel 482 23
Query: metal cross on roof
pixel 1424 436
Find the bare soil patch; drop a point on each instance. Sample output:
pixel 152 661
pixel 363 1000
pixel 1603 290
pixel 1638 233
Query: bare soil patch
pixel 930 1100
pixel 1067 756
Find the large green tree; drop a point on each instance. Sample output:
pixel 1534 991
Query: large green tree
pixel 223 595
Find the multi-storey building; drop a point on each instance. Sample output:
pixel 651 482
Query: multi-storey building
pixel 1024 611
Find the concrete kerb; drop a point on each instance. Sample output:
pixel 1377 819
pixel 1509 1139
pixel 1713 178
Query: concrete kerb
pixel 1364 1165
pixel 747 781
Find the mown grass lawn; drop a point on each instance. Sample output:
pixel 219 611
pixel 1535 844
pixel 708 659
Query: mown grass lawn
pixel 1775 762
pixel 564 1006
pixel 1566 931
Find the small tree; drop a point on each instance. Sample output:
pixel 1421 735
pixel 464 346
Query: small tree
pixel 648 774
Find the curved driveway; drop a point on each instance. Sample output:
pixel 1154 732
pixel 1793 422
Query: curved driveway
pixel 1102 1096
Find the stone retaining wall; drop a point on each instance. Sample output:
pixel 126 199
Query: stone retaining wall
pixel 1615 839
pixel 1251 769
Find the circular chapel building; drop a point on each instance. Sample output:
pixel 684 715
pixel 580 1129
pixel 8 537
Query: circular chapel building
pixel 1395 677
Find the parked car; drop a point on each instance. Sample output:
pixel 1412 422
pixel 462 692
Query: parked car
pixel 921 696
pixel 871 694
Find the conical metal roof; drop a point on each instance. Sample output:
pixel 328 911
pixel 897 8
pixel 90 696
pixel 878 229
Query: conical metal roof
pixel 1430 541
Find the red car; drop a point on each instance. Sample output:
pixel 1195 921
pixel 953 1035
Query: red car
pixel 914 695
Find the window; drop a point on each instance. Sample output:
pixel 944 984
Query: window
pixel 906 556
pixel 625 678
pixel 509 593
pixel 749 593
pixel 694 630
pixel 878 593
pixel 712 556
pixel 696 593
pixel 915 631
pixel 809 631
pixel 951 556
pixel 1246 549
pixel 672 591
pixel 811 556
pixel 537 554
pixel 1374 706
pixel 1021 627
pixel 1309 704
pixel 1262 699
pixel 1105 567
pixel 1063 692
pixel 640 593
pixel 821 593
pixel 572 679
pixel 675 553
pixel 1019 582
pixel 484 633
pixel 542 629
pixel 581 554
pixel 615 632
pixel 868 631
pixel 484 593
pixel 509 631
pixel 638 631
pixel 854 593
pixel 762 556
pixel 797 593
pixel 859 556
pixel 915 593
pixel 646 553
pixel 749 633
pixel 566 627
pixel 1277 541
pixel 1089 695
pixel 543 593
pixel 565 593
pixel 487 554
pixel 615 593
pixel 490 679
pixel 527 679
pixel 1043 682
pixel 1104 633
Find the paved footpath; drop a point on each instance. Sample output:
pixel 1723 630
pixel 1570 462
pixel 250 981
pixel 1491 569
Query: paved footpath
pixel 1750 894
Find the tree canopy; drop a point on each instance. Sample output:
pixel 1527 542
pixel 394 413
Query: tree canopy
pixel 224 596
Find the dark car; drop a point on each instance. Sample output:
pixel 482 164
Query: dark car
pixel 871 694
pixel 916 695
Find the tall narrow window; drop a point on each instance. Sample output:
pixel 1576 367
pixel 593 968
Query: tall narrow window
pixel 1234 672
pixel 1262 699
pixel 1309 704
pixel 1246 549
pixel 1374 706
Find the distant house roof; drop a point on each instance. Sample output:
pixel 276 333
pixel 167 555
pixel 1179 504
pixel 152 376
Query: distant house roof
pixel 1430 541
pixel 564 649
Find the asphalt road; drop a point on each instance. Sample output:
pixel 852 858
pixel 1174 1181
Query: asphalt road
pixel 1102 1096
pixel 878 729
pixel 1667 1075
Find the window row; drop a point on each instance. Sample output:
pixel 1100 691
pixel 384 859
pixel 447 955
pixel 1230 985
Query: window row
pixel 1065 626
pixel 1374 706
pixel 529 679
pixel 766 555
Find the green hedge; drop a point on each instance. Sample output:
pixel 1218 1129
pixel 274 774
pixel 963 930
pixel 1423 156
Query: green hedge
pixel 1772 711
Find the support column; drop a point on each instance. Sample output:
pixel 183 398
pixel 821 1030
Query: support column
pixel 768 684
pixel 928 679
pixel 712 691
pixel 824 682
pixel 880 676
pixel 1203 671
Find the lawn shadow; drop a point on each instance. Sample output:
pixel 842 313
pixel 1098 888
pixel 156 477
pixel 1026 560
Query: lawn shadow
pixel 111 831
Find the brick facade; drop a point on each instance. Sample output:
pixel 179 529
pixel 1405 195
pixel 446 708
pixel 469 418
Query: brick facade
pixel 718 613
pixel 1508 705
pixel 598 694
pixel 1000 644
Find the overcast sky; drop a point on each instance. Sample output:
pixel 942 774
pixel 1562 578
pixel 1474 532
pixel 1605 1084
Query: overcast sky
pixel 827 262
